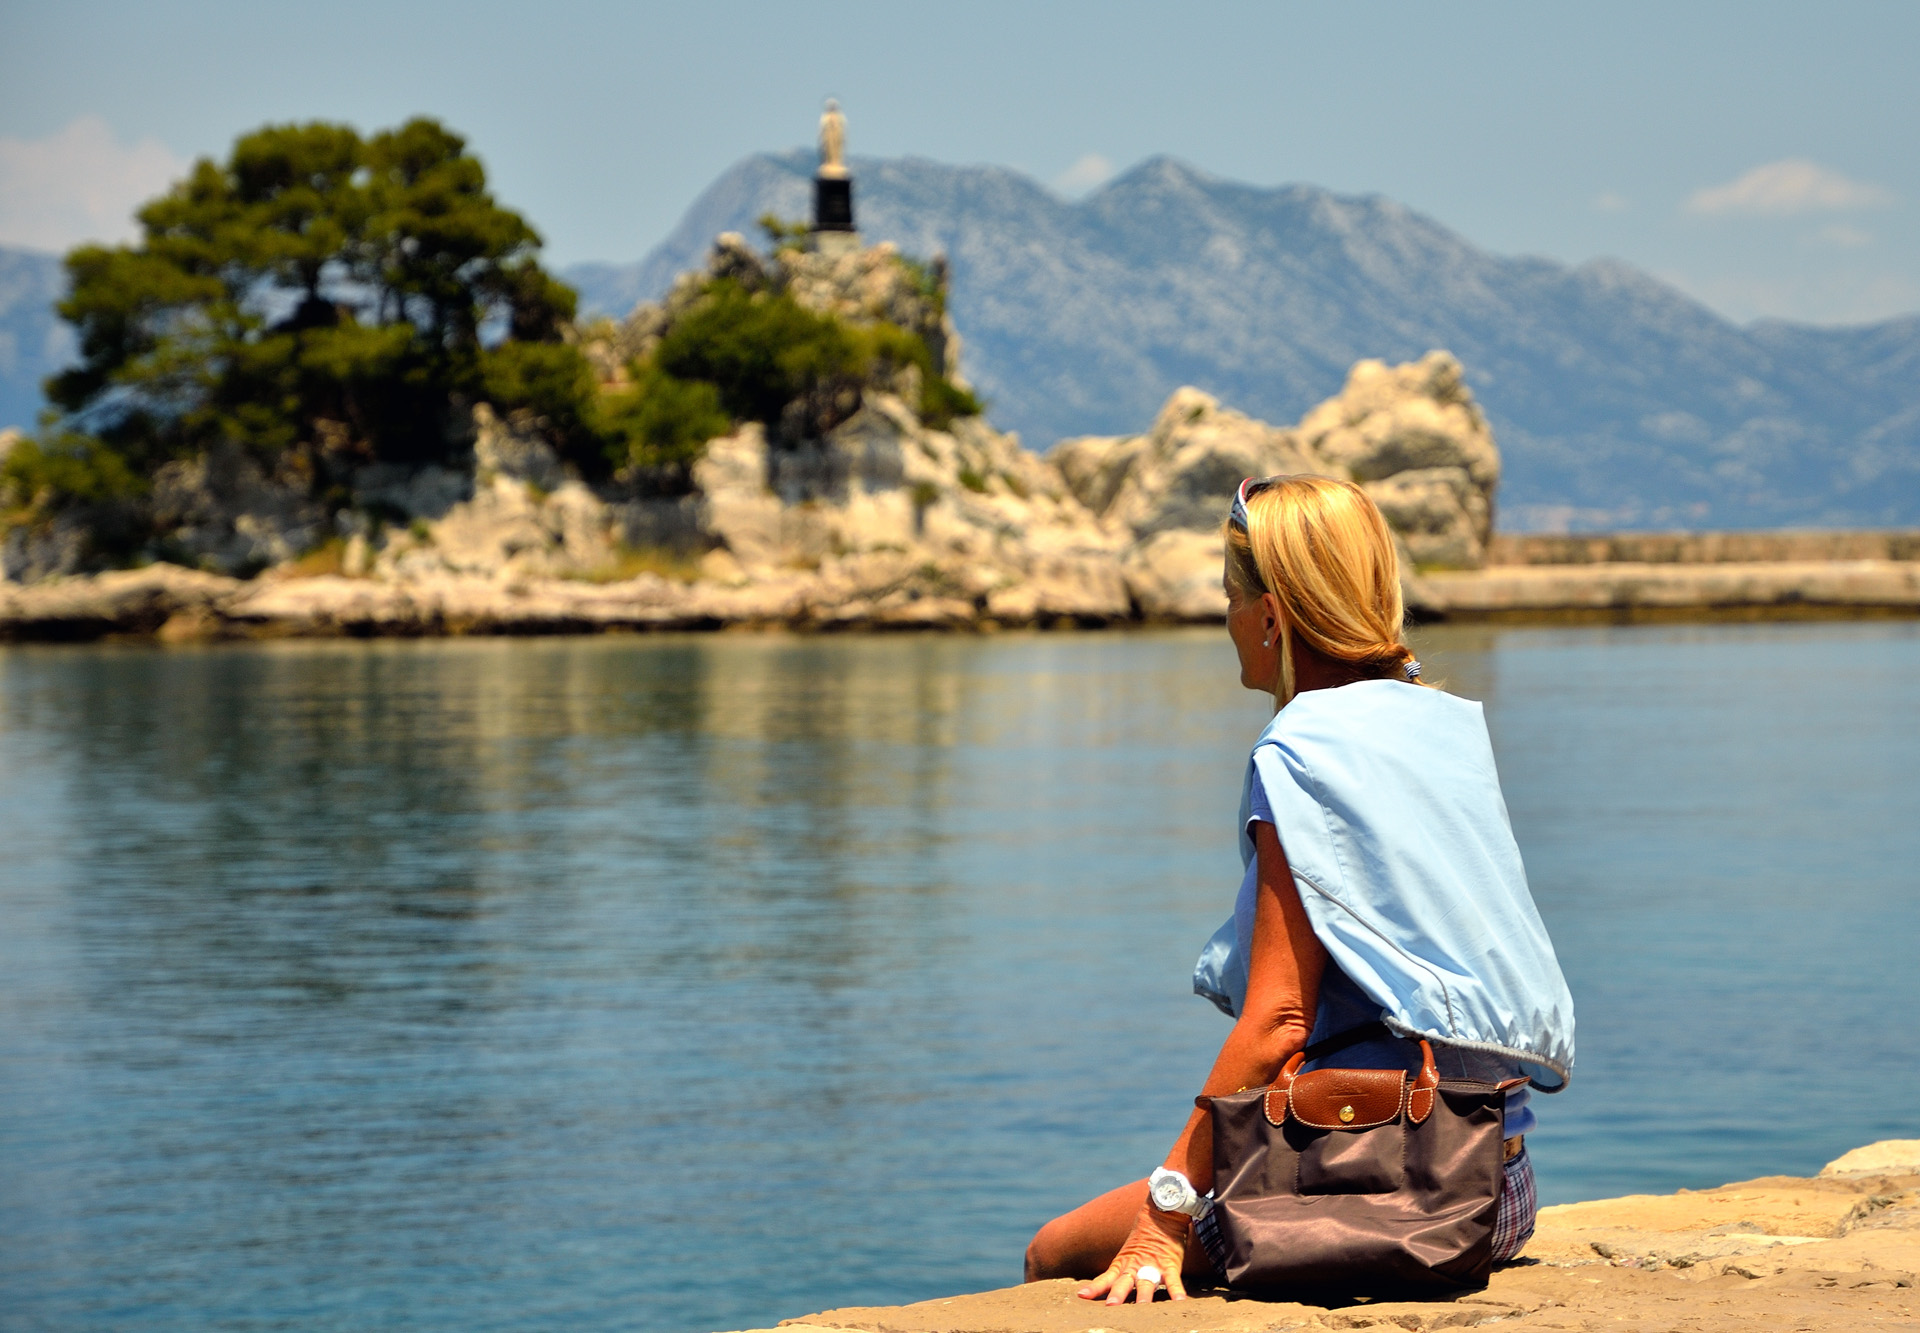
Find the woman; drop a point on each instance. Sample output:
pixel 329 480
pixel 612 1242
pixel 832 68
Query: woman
pixel 1381 881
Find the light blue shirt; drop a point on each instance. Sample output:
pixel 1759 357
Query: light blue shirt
pixel 1388 806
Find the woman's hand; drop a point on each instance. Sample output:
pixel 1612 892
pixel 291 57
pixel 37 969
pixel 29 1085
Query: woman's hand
pixel 1158 1240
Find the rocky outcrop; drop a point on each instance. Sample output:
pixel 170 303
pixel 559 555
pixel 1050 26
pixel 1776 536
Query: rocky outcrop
pixel 161 599
pixel 881 519
pixel 222 510
pixel 882 512
pixel 858 510
pixel 1415 440
pixel 1828 1255
pixel 1410 435
pixel 1619 402
pixel 878 516
pixel 860 286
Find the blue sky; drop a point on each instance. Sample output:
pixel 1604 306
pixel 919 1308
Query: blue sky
pixel 1760 156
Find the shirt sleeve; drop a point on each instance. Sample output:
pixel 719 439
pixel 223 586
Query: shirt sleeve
pixel 1259 809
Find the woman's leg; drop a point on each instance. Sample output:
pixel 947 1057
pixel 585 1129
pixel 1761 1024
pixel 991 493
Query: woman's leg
pixel 1083 1242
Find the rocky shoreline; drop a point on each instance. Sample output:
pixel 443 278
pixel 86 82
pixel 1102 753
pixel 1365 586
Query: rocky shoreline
pixel 173 604
pixel 887 519
pixel 1839 1251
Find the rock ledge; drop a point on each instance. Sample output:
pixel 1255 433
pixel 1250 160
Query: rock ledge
pixel 1837 1252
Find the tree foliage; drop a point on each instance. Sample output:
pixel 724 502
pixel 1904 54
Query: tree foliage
pixel 659 424
pixel 784 233
pixel 761 350
pixel 324 299
pixel 321 292
pixel 765 353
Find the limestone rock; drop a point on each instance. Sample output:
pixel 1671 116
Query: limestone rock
pixel 1086 589
pixel 31 552
pixel 1181 474
pixel 884 507
pixel 426 492
pixel 1413 437
pixel 122 601
pixel 874 283
pixel 508 529
pixel 1824 1255
pixel 1410 435
pixel 1888 1157
pixel 1175 575
pixel 513 450
pixel 1092 467
pixel 863 514
pixel 1441 518
pixel 223 511
pixel 737 507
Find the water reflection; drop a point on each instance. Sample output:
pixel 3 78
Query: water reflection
pixel 530 983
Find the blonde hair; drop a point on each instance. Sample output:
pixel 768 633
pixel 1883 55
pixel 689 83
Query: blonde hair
pixel 1322 549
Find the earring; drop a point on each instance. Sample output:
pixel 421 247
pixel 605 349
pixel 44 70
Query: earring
pixel 1266 643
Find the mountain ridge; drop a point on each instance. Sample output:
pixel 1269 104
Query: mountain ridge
pixel 1618 401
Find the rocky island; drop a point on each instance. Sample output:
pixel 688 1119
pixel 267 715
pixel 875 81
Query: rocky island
pixel 1836 1252
pixel 785 440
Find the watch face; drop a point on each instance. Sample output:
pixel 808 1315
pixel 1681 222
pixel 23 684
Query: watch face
pixel 1167 1194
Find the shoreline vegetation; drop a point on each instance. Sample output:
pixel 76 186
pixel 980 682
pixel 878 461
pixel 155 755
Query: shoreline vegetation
pixel 333 392
pixel 1838 1251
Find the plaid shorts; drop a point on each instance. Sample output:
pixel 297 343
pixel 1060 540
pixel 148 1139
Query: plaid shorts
pixel 1519 1204
pixel 1512 1225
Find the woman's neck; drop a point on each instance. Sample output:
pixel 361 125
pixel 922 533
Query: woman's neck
pixel 1314 670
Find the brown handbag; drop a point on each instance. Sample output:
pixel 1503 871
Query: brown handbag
pixel 1356 1180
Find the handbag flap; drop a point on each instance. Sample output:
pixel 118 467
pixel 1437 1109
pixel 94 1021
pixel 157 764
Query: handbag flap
pixel 1344 1098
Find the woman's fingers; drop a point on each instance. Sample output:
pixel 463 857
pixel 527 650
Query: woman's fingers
pixel 1151 1256
pixel 1138 1279
pixel 1097 1288
pixel 1120 1284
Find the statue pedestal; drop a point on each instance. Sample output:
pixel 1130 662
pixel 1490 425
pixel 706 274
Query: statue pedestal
pixel 833 203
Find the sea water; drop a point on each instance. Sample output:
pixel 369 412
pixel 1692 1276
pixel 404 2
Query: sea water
pixel 688 983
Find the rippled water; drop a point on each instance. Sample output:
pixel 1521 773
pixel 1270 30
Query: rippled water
pixel 681 984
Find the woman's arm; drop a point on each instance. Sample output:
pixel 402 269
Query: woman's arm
pixel 1283 989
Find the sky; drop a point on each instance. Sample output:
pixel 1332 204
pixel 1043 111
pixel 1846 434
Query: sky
pixel 1759 156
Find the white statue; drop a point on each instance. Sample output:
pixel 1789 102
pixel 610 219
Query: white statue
pixel 833 143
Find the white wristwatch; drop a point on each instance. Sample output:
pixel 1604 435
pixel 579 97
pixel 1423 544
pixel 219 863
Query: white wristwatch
pixel 1172 1192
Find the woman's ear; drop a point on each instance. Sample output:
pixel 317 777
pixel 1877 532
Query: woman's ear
pixel 1270 614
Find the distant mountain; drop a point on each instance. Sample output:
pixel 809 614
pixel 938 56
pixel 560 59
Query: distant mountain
pixel 33 341
pixel 1617 401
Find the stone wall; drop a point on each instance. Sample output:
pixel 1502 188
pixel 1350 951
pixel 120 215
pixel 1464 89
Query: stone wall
pixel 1701 548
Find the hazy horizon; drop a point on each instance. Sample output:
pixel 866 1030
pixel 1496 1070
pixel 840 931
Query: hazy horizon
pixel 1755 156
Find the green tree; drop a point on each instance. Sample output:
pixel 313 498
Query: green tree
pixel 659 424
pixel 324 299
pixel 321 294
pixel 763 351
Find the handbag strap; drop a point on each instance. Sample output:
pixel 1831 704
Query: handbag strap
pixel 1425 1082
